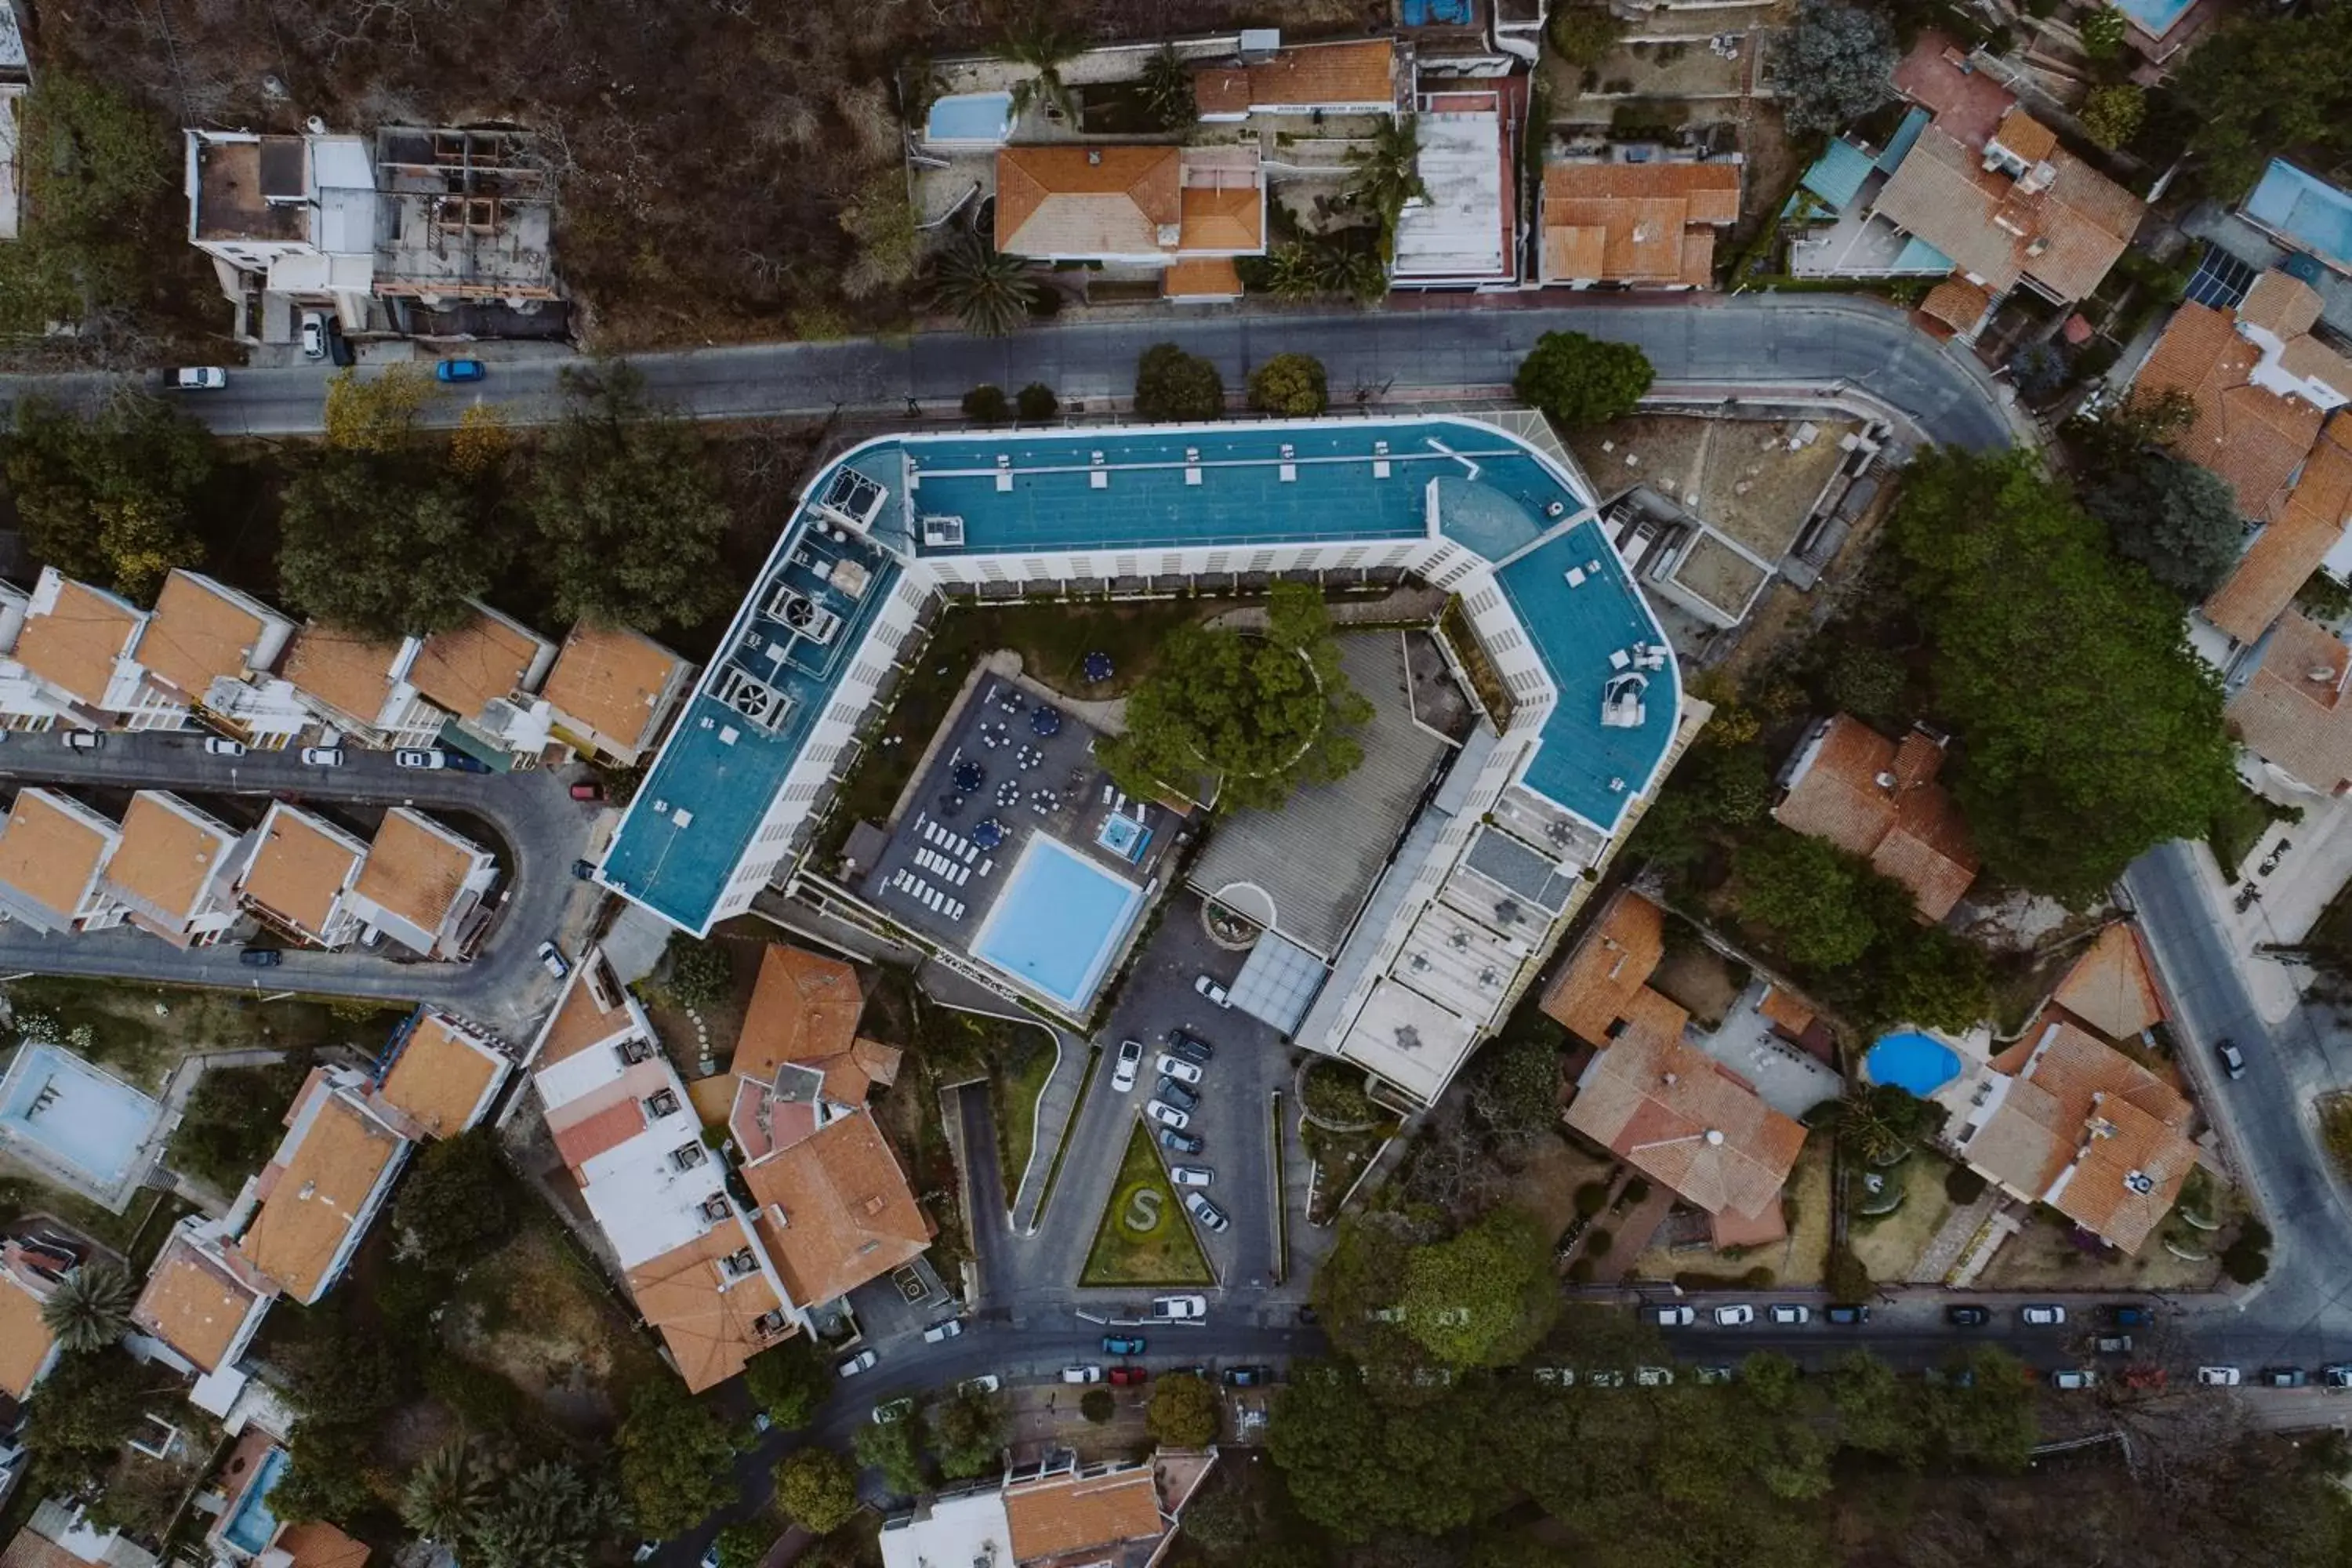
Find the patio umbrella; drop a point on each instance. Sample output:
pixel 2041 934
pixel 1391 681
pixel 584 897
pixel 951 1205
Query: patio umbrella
pixel 1097 667
pixel 1046 720
pixel 988 833
pixel 970 775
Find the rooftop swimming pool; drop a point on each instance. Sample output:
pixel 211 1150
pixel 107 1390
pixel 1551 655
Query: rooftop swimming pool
pixel 1058 921
pixel 1918 1063
pixel 69 1115
pixel 252 1526
pixel 970 119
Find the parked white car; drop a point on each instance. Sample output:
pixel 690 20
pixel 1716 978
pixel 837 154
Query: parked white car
pixel 1791 1312
pixel 2073 1377
pixel 222 746
pixel 858 1363
pixel 946 1330
pixel 1207 1213
pixel 1654 1376
pixel 2218 1376
pixel 2042 1317
pixel 986 1382
pixel 1179 1309
pixel 417 757
pixel 1211 990
pixel 322 756
pixel 1188 1176
pixel 1088 1374
pixel 1178 1068
pixel 1167 1115
pixel 1734 1317
pixel 1130 1057
pixel 200 378
pixel 1672 1317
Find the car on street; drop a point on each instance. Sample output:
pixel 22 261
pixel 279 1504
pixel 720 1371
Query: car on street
pixel 1208 988
pixel 584 869
pixel 986 1382
pixel 1179 1308
pixel 419 757
pixel 314 335
pixel 1556 1376
pixel 1791 1312
pixel 2073 1377
pixel 1128 1376
pixel 1176 1140
pixel 2285 1377
pixel 1851 1315
pixel 1188 1176
pixel 2131 1317
pixel 1673 1317
pixel 1122 1072
pixel 1653 1377
pixel 2337 1375
pixel 1167 1115
pixel 1088 1374
pixel 552 959
pixel 2233 1060
pixel 1248 1376
pixel 711 1558
pixel 761 1423
pixel 1191 1047
pixel 857 1364
pixel 1737 1317
pixel 222 746
pixel 1967 1316
pixel 1123 1344
pixel 199 378
pixel 2218 1376
pixel 322 756
pixel 587 791
pixel 1605 1377
pixel 946 1330
pixel 466 764
pixel 1204 1211
pixel 2041 1316
pixel 1177 1067
pixel 261 958
pixel 893 1410
pixel 1715 1374
pixel 2113 1344
pixel 459 370
pixel 83 740
pixel 1177 1094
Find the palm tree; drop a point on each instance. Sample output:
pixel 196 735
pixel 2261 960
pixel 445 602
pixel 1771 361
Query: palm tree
pixel 1294 270
pixel 90 1307
pixel 1044 49
pixel 443 1498
pixel 990 291
pixel 1387 175
pixel 1875 1124
pixel 1167 87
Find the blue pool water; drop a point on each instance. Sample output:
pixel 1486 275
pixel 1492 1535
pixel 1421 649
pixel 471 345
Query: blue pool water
pixel 1911 1061
pixel 976 116
pixel 252 1526
pixel 1447 13
pixel 2155 15
pixel 2309 212
pixel 1058 921
pixel 88 1121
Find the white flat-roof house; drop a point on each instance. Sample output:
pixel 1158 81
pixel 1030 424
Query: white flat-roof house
pixel 291 217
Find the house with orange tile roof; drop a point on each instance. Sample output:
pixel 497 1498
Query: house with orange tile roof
pixel 1147 208
pixel 1057 1514
pixel 1598 990
pixel 486 672
pixel 442 1072
pixel 207 644
pixel 315 1544
pixel 1363 76
pixel 2292 709
pixel 2305 533
pixel 424 886
pixel 1879 799
pixel 835 1210
pixel 1643 225
pixel 2065 1119
pixel 199 1311
pixel 2112 987
pixel 300 877
pixel 53 857
pixel 174 869
pixel 610 693
pixel 621 1122
pixel 302 1218
pixel 76 661
pixel 28 1350
pixel 358 686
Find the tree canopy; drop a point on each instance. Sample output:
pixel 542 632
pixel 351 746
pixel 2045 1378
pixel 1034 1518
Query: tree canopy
pixel 1834 64
pixel 675 1459
pixel 458 1203
pixel 2270 86
pixel 109 499
pixel 816 1489
pixel 1290 384
pixel 1173 385
pixel 2089 728
pixel 1826 906
pixel 790 1380
pixel 94 165
pixel 1482 1297
pixel 896 1449
pixel 967 1434
pixel 380 543
pixel 1258 714
pixel 2177 519
pixel 1185 1412
pixel 1578 380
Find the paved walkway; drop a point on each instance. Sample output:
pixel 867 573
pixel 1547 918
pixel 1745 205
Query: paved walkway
pixel 1056 1104
pixel 1936 1260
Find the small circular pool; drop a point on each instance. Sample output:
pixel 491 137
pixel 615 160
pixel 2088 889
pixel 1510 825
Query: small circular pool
pixel 1918 1063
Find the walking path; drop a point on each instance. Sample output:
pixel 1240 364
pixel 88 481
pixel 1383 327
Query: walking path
pixel 1960 1226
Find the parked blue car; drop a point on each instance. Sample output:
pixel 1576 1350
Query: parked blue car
pixel 1116 1344
pixel 459 370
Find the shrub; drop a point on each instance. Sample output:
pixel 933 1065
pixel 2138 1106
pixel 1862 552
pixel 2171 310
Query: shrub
pixel 1173 385
pixel 1963 1185
pixel 1583 34
pixel 1035 402
pixel 1591 1198
pixel 1290 384
pixel 1758 1278
pixel 1847 1278
pixel 1097 1405
pixel 1598 1243
pixel 1637 1191
pixel 2243 1263
pixel 699 973
pixel 987 403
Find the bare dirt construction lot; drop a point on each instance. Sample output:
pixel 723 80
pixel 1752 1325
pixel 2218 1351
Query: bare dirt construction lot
pixel 535 1312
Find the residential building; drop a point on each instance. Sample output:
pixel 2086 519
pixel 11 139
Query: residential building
pixel 484 670
pixel 611 691
pixel 61 1535
pixel 463 216
pixel 424 886
pixel 174 869
pixel 28 1350
pixel 1879 799
pixel 2291 710
pixel 199 1311
pixel 2112 987
pixel 621 1121
pixel 1605 983
pixel 1465 233
pixel 1644 226
pixel 2308 534
pixel 315 1544
pixel 441 1072
pixel 53 856
pixel 300 1220
pixel 300 877
pixel 358 687
pixel 290 222
pixel 206 641
pixel 1366 76
pixel 76 655
pixel 1056 1514
pixel 1151 208
pixel 2065 1119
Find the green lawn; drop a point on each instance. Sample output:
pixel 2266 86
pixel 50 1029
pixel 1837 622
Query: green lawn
pixel 1165 1251
pixel 1014 1086
pixel 2237 827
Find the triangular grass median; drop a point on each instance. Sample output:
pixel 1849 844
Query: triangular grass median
pixel 1144 1236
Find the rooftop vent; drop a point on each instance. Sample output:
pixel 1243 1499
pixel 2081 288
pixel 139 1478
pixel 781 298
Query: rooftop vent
pixel 2139 1182
pixel 686 1156
pixel 1093 155
pixel 741 1263
pixel 662 1102
pixel 944 532
pixel 714 1207
pixel 1884 781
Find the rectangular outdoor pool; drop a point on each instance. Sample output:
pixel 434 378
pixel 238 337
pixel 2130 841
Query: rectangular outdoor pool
pixel 2154 17
pixel 1057 922
pixel 970 119
pixel 65 1114
pixel 252 1526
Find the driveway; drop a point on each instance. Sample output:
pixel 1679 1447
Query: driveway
pixel 542 830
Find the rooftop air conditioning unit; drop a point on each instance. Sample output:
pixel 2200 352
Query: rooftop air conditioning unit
pixel 662 1102
pixel 634 1050
pixel 944 532
pixel 754 699
pixel 686 1156
pixel 714 1208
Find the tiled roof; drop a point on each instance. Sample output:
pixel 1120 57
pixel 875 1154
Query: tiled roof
pixel 2281 304
pixel 194 1304
pixel 1966 103
pixel 299 868
pixel 1957 302
pixel 2110 987
pixel 31 1551
pixel 1309 77
pixel 315 1544
pixel 49 855
pixel 414 869
pixel 1782 1006
pixel 2252 438
pixel 1222 217
pixel 1634 223
pixel 1907 827
pixel 168 854
pixel 2025 136
pixel 580 1022
pixel 198 633
pixel 2285 554
pixel 25 1340
pixel 708 1318
pixel 585 1133
pixel 2064 236
pixel 2292 711
pixel 311 1203
pixel 1201 277
pixel 2129 1169
pixel 1087 200
pixel 848 1216
pixel 441 1075
pixel 76 645
pixel 613 681
pixel 1684 1119
pixel 1071 1512
pixel 1609 968
pixel 346 671
pixel 804 1009
pixel 479 662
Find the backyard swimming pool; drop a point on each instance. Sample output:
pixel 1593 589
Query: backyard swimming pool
pixel 976 118
pixel 2155 16
pixel 1058 921
pixel 68 1115
pixel 1911 1061
pixel 250 1528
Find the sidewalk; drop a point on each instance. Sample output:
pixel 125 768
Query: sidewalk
pixel 1056 1104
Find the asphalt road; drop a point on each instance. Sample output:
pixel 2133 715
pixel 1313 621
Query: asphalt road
pixel 1445 343
pixel 542 828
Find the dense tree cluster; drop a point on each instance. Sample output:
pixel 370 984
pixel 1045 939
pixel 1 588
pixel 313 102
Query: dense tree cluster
pixel 1834 65
pixel 1578 380
pixel 108 499
pixel 2270 86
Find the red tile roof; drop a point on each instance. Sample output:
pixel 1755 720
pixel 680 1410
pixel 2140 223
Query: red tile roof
pixel 1870 797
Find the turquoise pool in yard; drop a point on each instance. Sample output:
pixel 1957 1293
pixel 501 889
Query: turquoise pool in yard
pixel 1919 1064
